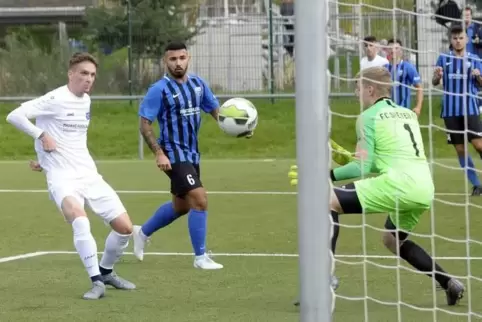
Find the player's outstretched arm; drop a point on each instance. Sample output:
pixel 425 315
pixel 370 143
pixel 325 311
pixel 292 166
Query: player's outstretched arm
pixel 20 117
pixel 215 114
pixel 210 104
pixel 365 149
pixel 42 106
pixel 339 154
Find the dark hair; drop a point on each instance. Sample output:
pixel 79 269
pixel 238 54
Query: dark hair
pixel 175 45
pixel 395 41
pixel 370 39
pixel 78 58
pixel 468 9
pixel 456 29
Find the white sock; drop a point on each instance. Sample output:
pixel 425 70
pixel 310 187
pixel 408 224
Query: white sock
pixel 85 245
pixel 143 236
pixel 115 244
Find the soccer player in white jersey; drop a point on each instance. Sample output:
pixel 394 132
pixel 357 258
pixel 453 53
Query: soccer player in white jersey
pixel 60 134
pixel 372 58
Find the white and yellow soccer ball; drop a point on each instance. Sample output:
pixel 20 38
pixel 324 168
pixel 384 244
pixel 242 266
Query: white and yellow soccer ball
pixel 238 117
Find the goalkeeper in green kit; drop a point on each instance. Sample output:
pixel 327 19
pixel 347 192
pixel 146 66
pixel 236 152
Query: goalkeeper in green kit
pixel 389 143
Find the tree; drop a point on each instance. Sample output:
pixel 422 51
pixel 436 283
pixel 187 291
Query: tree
pixel 154 23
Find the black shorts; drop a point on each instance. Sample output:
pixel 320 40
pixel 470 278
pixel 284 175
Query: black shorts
pixel 348 199
pixel 349 202
pixel 457 123
pixel 185 177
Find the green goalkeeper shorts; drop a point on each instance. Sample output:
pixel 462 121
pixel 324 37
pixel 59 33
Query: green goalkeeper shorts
pixel 405 199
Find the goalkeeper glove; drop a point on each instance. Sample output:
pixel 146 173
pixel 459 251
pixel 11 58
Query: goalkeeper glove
pixel 293 175
pixel 339 154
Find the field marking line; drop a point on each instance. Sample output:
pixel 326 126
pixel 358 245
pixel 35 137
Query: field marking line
pixel 164 192
pixel 256 160
pixel 21 256
pixel 209 192
pixel 272 255
pixel 241 160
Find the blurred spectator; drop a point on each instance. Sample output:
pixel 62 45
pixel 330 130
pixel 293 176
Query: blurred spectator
pixel 472 30
pixel 372 58
pixel 287 9
pixel 384 50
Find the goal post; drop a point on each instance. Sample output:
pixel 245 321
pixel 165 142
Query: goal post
pixel 313 155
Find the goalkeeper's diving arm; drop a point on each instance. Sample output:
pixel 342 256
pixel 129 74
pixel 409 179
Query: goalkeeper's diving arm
pixel 358 167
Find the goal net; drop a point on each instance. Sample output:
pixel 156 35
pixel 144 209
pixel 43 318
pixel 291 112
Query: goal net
pixel 374 284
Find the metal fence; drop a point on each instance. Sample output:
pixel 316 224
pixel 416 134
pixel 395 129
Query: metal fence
pixel 241 46
pixel 244 47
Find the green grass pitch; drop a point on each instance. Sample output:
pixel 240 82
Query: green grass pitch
pixel 252 231
pixel 252 225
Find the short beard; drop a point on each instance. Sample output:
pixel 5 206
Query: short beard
pixel 177 74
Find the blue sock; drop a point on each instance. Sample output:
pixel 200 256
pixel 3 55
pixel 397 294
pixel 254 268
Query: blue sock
pixel 471 174
pixel 197 222
pixel 161 218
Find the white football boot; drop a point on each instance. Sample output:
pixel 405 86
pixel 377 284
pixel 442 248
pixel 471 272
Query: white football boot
pixel 205 262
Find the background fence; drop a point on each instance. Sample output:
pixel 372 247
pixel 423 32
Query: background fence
pixel 238 46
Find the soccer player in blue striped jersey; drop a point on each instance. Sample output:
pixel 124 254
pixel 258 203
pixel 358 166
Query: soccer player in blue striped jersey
pixel 405 77
pixel 176 102
pixel 459 71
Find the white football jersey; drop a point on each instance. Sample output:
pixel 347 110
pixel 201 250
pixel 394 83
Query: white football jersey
pixel 378 61
pixel 65 117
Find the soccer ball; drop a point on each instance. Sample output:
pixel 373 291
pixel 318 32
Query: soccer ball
pixel 238 117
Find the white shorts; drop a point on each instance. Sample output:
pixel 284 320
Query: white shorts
pixel 93 191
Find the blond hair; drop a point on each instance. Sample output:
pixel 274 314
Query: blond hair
pixel 377 77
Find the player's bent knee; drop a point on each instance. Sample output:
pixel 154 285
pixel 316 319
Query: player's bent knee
pixel 198 199
pixel 180 205
pixel 72 209
pixel 390 242
pixel 122 224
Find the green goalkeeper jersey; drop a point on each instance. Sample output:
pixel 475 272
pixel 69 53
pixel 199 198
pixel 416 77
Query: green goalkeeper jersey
pixel 388 141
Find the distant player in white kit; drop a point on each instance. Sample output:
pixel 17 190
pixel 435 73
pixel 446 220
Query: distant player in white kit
pixel 60 133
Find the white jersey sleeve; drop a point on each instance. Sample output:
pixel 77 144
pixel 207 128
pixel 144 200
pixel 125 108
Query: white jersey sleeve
pixel 65 117
pixel 42 106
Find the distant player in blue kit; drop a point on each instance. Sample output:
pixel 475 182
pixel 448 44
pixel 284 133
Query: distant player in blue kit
pixel 405 77
pixel 460 110
pixel 176 102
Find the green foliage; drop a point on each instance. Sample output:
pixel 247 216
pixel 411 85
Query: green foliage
pixel 114 131
pixel 153 23
pixel 29 69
